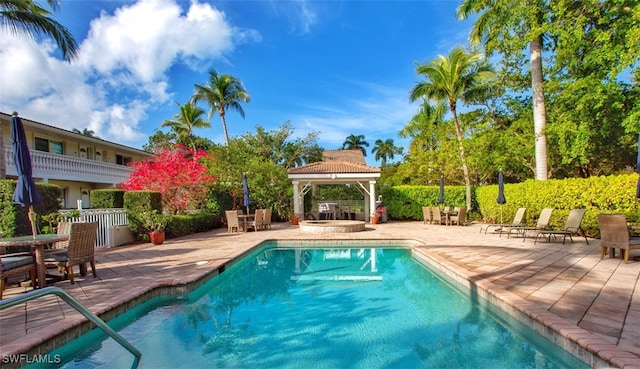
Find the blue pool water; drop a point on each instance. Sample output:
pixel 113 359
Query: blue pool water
pixel 320 308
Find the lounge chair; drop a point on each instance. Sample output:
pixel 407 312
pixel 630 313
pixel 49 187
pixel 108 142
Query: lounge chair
pixel 614 234
pixel 571 227
pixel 460 218
pixel 517 222
pixel 541 225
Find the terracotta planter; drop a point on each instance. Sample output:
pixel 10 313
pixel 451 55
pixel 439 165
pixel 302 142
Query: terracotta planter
pixel 157 238
pixel 375 219
pixel 295 220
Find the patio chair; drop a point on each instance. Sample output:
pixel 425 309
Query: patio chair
pixel 438 217
pixel 614 234
pixel 267 218
pixel 426 215
pixel 233 222
pixel 460 218
pixel 81 250
pixel 541 225
pixel 15 265
pixel 517 222
pixel 571 227
pixel 258 221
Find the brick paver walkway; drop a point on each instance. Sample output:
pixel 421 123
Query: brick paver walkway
pixel 597 301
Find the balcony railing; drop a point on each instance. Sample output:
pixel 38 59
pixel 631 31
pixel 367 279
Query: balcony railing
pixel 69 168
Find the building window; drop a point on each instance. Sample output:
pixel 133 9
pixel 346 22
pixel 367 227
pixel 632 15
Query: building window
pixel 123 160
pixel 42 144
pixel 56 147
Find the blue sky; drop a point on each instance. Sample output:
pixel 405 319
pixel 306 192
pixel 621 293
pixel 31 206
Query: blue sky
pixel 336 67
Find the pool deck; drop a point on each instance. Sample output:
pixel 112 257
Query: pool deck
pixel 593 302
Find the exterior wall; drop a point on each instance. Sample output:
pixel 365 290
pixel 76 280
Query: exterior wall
pixel 77 163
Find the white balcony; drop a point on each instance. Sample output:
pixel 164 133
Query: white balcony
pixel 48 166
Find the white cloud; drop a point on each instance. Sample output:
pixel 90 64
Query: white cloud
pixel 380 114
pixel 122 69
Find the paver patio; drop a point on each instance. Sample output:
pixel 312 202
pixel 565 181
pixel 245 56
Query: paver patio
pixel 596 302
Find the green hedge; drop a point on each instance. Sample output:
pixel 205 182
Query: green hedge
pixel 406 202
pixel 137 202
pixel 610 194
pixel 107 198
pixel 607 194
pixel 14 219
pixel 183 225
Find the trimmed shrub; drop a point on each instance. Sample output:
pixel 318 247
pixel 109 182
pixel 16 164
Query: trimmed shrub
pixel 14 217
pixel 107 198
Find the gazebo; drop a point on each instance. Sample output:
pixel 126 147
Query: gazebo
pixel 338 167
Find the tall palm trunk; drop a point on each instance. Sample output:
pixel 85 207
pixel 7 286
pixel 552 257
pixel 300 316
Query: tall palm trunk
pixel 539 111
pixel 465 170
pixel 224 126
pixel 3 163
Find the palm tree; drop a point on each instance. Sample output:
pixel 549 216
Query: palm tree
pixel 460 76
pixel 85 132
pixel 520 22
pixel 385 150
pixel 29 18
pixel 189 117
pixel 421 128
pixel 222 92
pixel 353 142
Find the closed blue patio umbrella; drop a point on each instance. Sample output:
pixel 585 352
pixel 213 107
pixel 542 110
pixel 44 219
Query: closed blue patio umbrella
pixel 26 192
pixel 441 196
pixel 501 199
pixel 245 188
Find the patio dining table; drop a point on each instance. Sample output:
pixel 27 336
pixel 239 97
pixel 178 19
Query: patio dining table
pixel 37 244
pixel 245 218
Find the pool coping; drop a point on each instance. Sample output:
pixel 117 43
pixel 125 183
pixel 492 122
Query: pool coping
pixel 586 346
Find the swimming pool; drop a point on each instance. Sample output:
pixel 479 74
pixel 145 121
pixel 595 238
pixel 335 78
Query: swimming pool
pixel 348 307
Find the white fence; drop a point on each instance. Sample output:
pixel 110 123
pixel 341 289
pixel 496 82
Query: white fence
pixel 112 225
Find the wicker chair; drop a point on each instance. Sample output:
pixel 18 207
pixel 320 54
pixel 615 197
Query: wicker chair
pixel 614 234
pixel 267 219
pixel 426 215
pixel 438 217
pixel 460 218
pixel 81 250
pixel 258 220
pixel 233 222
pixel 15 265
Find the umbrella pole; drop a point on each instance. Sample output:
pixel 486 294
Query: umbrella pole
pixel 501 214
pixel 32 220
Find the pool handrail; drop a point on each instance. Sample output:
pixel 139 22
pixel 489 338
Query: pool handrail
pixel 32 295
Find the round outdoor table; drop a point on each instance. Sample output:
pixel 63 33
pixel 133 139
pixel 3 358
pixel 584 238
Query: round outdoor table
pixel 37 244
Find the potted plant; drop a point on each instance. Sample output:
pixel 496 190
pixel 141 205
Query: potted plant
pixel 375 217
pixel 295 219
pixel 154 223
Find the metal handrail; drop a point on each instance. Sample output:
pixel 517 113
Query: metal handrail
pixel 32 295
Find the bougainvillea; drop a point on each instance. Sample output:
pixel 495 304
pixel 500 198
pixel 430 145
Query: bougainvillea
pixel 177 174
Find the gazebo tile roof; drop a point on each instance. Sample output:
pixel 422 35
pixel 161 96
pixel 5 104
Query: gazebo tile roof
pixel 333 166
pixel 352 156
